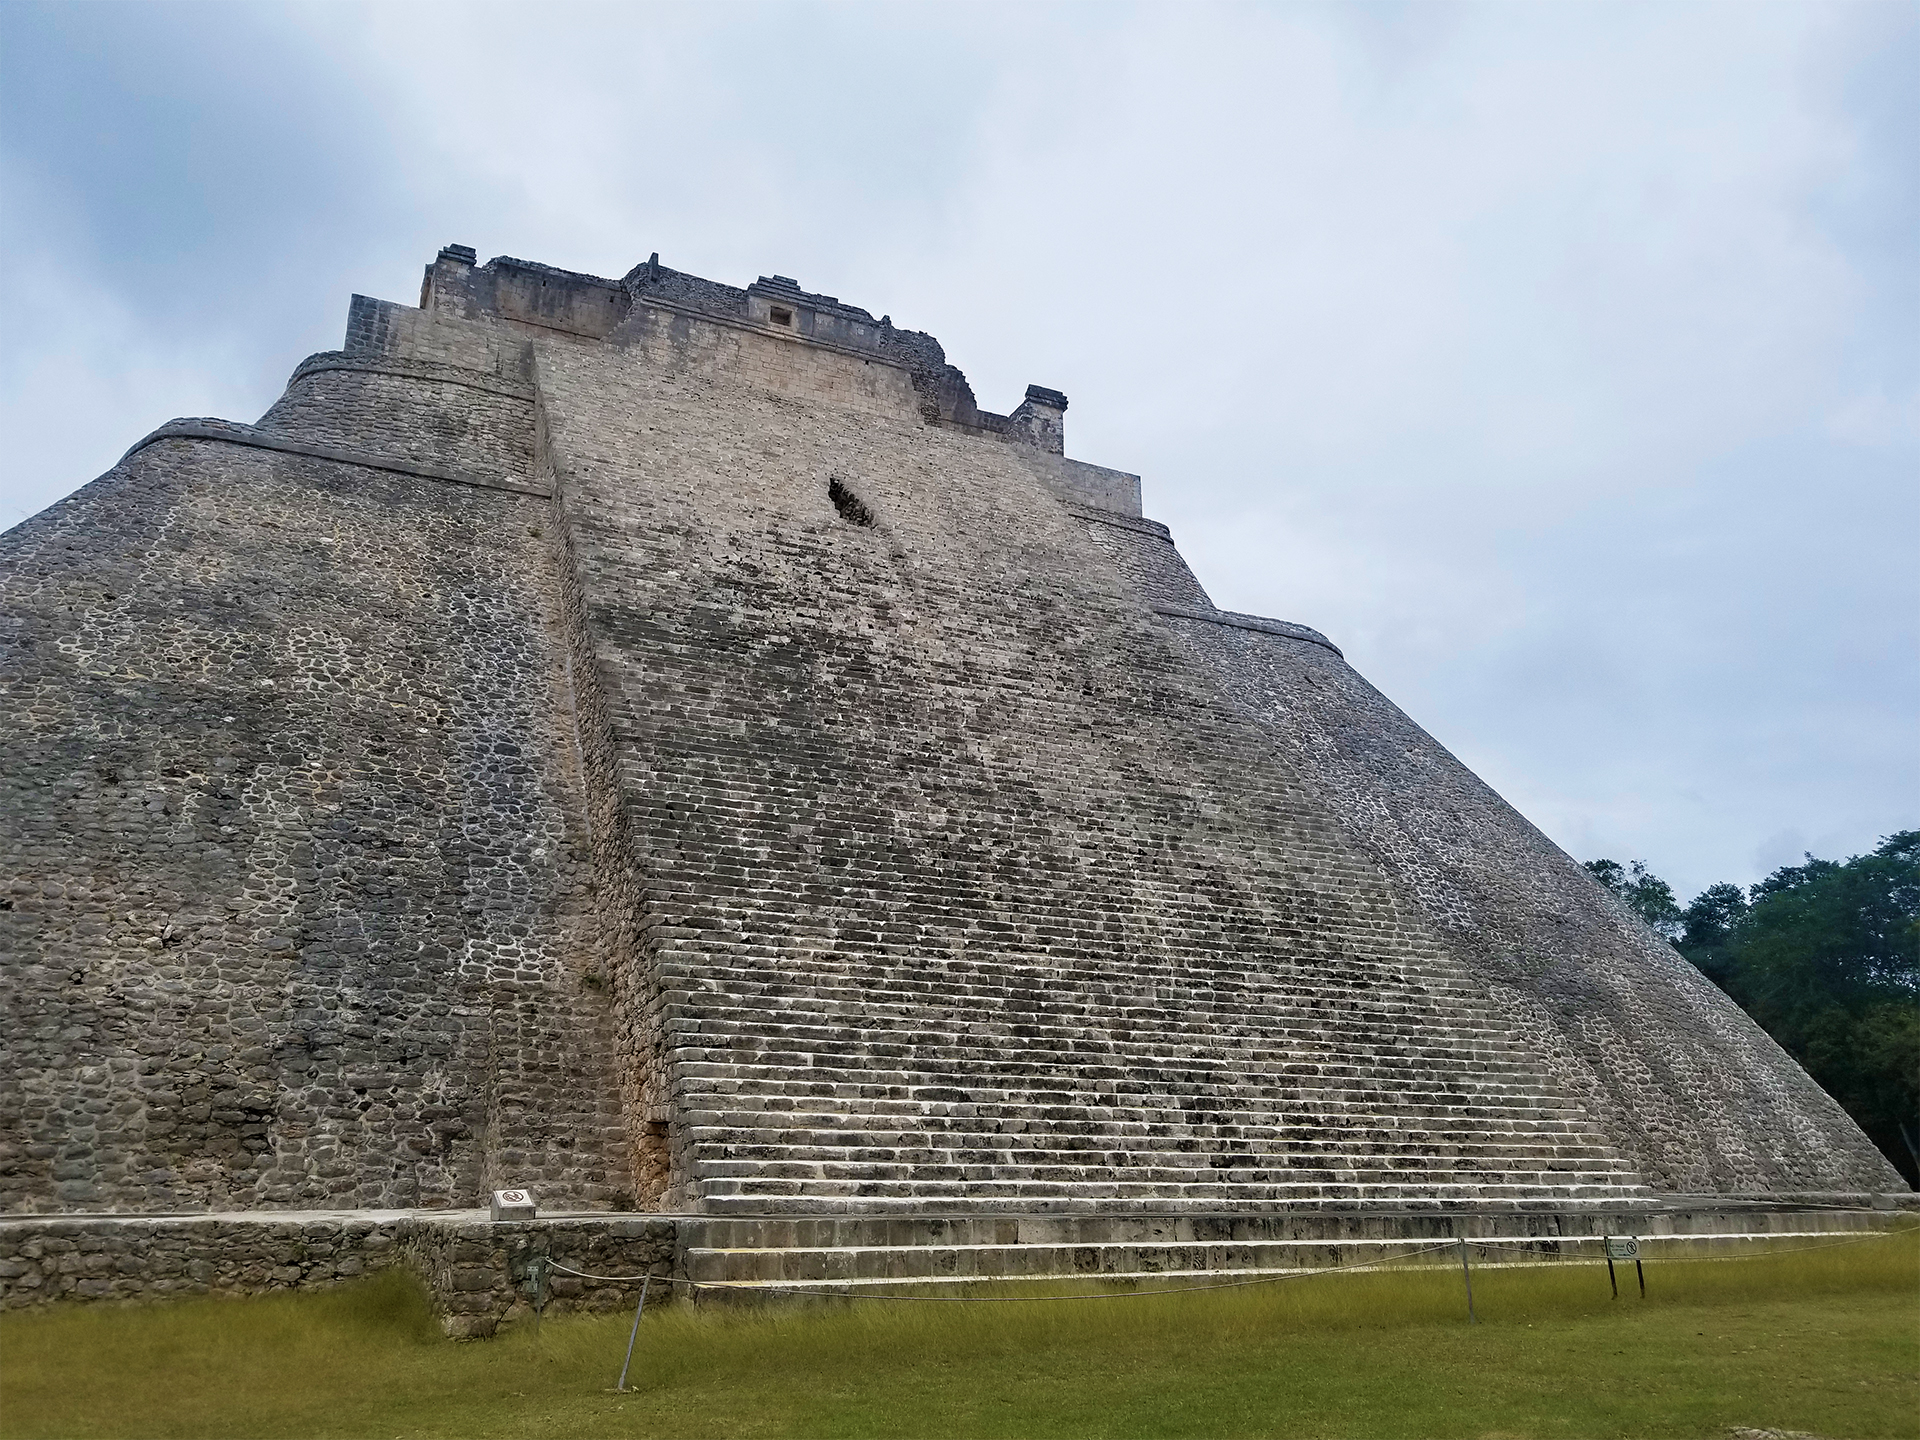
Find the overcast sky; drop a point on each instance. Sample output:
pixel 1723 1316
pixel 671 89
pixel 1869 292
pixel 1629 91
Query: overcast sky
pixel 1561 361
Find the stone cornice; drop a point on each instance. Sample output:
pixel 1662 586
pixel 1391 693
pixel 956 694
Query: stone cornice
pixel 1285 628
pixel 225 431
pixel 410 370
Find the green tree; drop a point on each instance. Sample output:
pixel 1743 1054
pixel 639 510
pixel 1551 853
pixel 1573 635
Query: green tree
pixel 1825 956
pixel 1708 926
pixel 1650 897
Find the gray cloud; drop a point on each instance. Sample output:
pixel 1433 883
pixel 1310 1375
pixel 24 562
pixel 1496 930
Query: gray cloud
pixel 1559 360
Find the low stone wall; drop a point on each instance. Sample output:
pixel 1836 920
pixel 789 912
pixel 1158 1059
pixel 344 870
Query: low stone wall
pixel 480 1274
pixel 47 1258
pixel 483 1275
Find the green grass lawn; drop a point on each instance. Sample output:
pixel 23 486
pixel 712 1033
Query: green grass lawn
pixel 1823 1340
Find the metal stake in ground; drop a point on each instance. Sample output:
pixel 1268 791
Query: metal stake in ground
pixel 638 1310
pixel 1472 1319
pixel 1606 1242
pixel 1625 1247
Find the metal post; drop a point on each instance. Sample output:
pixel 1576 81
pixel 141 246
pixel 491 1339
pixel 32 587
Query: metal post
pixel 539 1289
pixel 638 1310
pixel 1606 1243
pixel 1637 1268
pixel 1472 1319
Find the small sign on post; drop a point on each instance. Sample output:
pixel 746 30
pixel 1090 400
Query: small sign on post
pixel 1624 1247
pixel 513 1205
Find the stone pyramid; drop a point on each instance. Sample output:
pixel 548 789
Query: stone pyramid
pixel 664 745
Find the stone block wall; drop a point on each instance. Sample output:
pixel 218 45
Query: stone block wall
pixel 101 1259
pixel 430 414
pixel 480 1275
pixel 1111 492
pixel 298 907
pixel 382 328
pixel 1146 558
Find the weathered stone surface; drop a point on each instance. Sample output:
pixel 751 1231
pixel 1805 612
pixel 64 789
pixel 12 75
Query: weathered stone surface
pixel 479 1275
pixel 298 908
pixel 664 746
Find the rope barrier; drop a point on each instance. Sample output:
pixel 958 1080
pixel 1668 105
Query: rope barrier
pixel 1585 1239
pixel 1529 1249
pixel 1375 1264
pixel 1757 1254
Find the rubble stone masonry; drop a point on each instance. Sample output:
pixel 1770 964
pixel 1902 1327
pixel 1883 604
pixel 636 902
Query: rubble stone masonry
pixel 663 745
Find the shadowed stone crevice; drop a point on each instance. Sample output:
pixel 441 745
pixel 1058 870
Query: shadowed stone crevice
pixel 848 505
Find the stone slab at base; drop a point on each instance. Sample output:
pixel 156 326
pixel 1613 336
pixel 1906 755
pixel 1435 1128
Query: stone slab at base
pixel 482 1274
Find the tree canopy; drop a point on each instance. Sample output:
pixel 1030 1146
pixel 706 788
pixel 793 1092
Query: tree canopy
pixel 1825 956
pixel 1651 897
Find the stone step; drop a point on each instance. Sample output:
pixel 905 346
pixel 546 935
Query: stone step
pixel 1173 1179
pixel 883 1129
pixel 1132 1164
pixel 1000 1009
pixel 1038 980
pixel 1494 1124
pixel 987 1261
pixel 1326 1117
pixel 1437 1028
pixel 1079 1071
pixel 1008 1227
pixel 1091 1127
pixel 1383 1199
pixel 1119 1060
pixel 1116 978
pixel 995 1078
pixel 1158 1172
pixel 1306 1143
pixel 857 1266
pixel 916 1151
pixel 1272 1122
pixel 1432 1024
pixel 971 1193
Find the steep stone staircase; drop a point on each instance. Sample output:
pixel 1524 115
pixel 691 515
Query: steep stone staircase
pixel 994 1090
